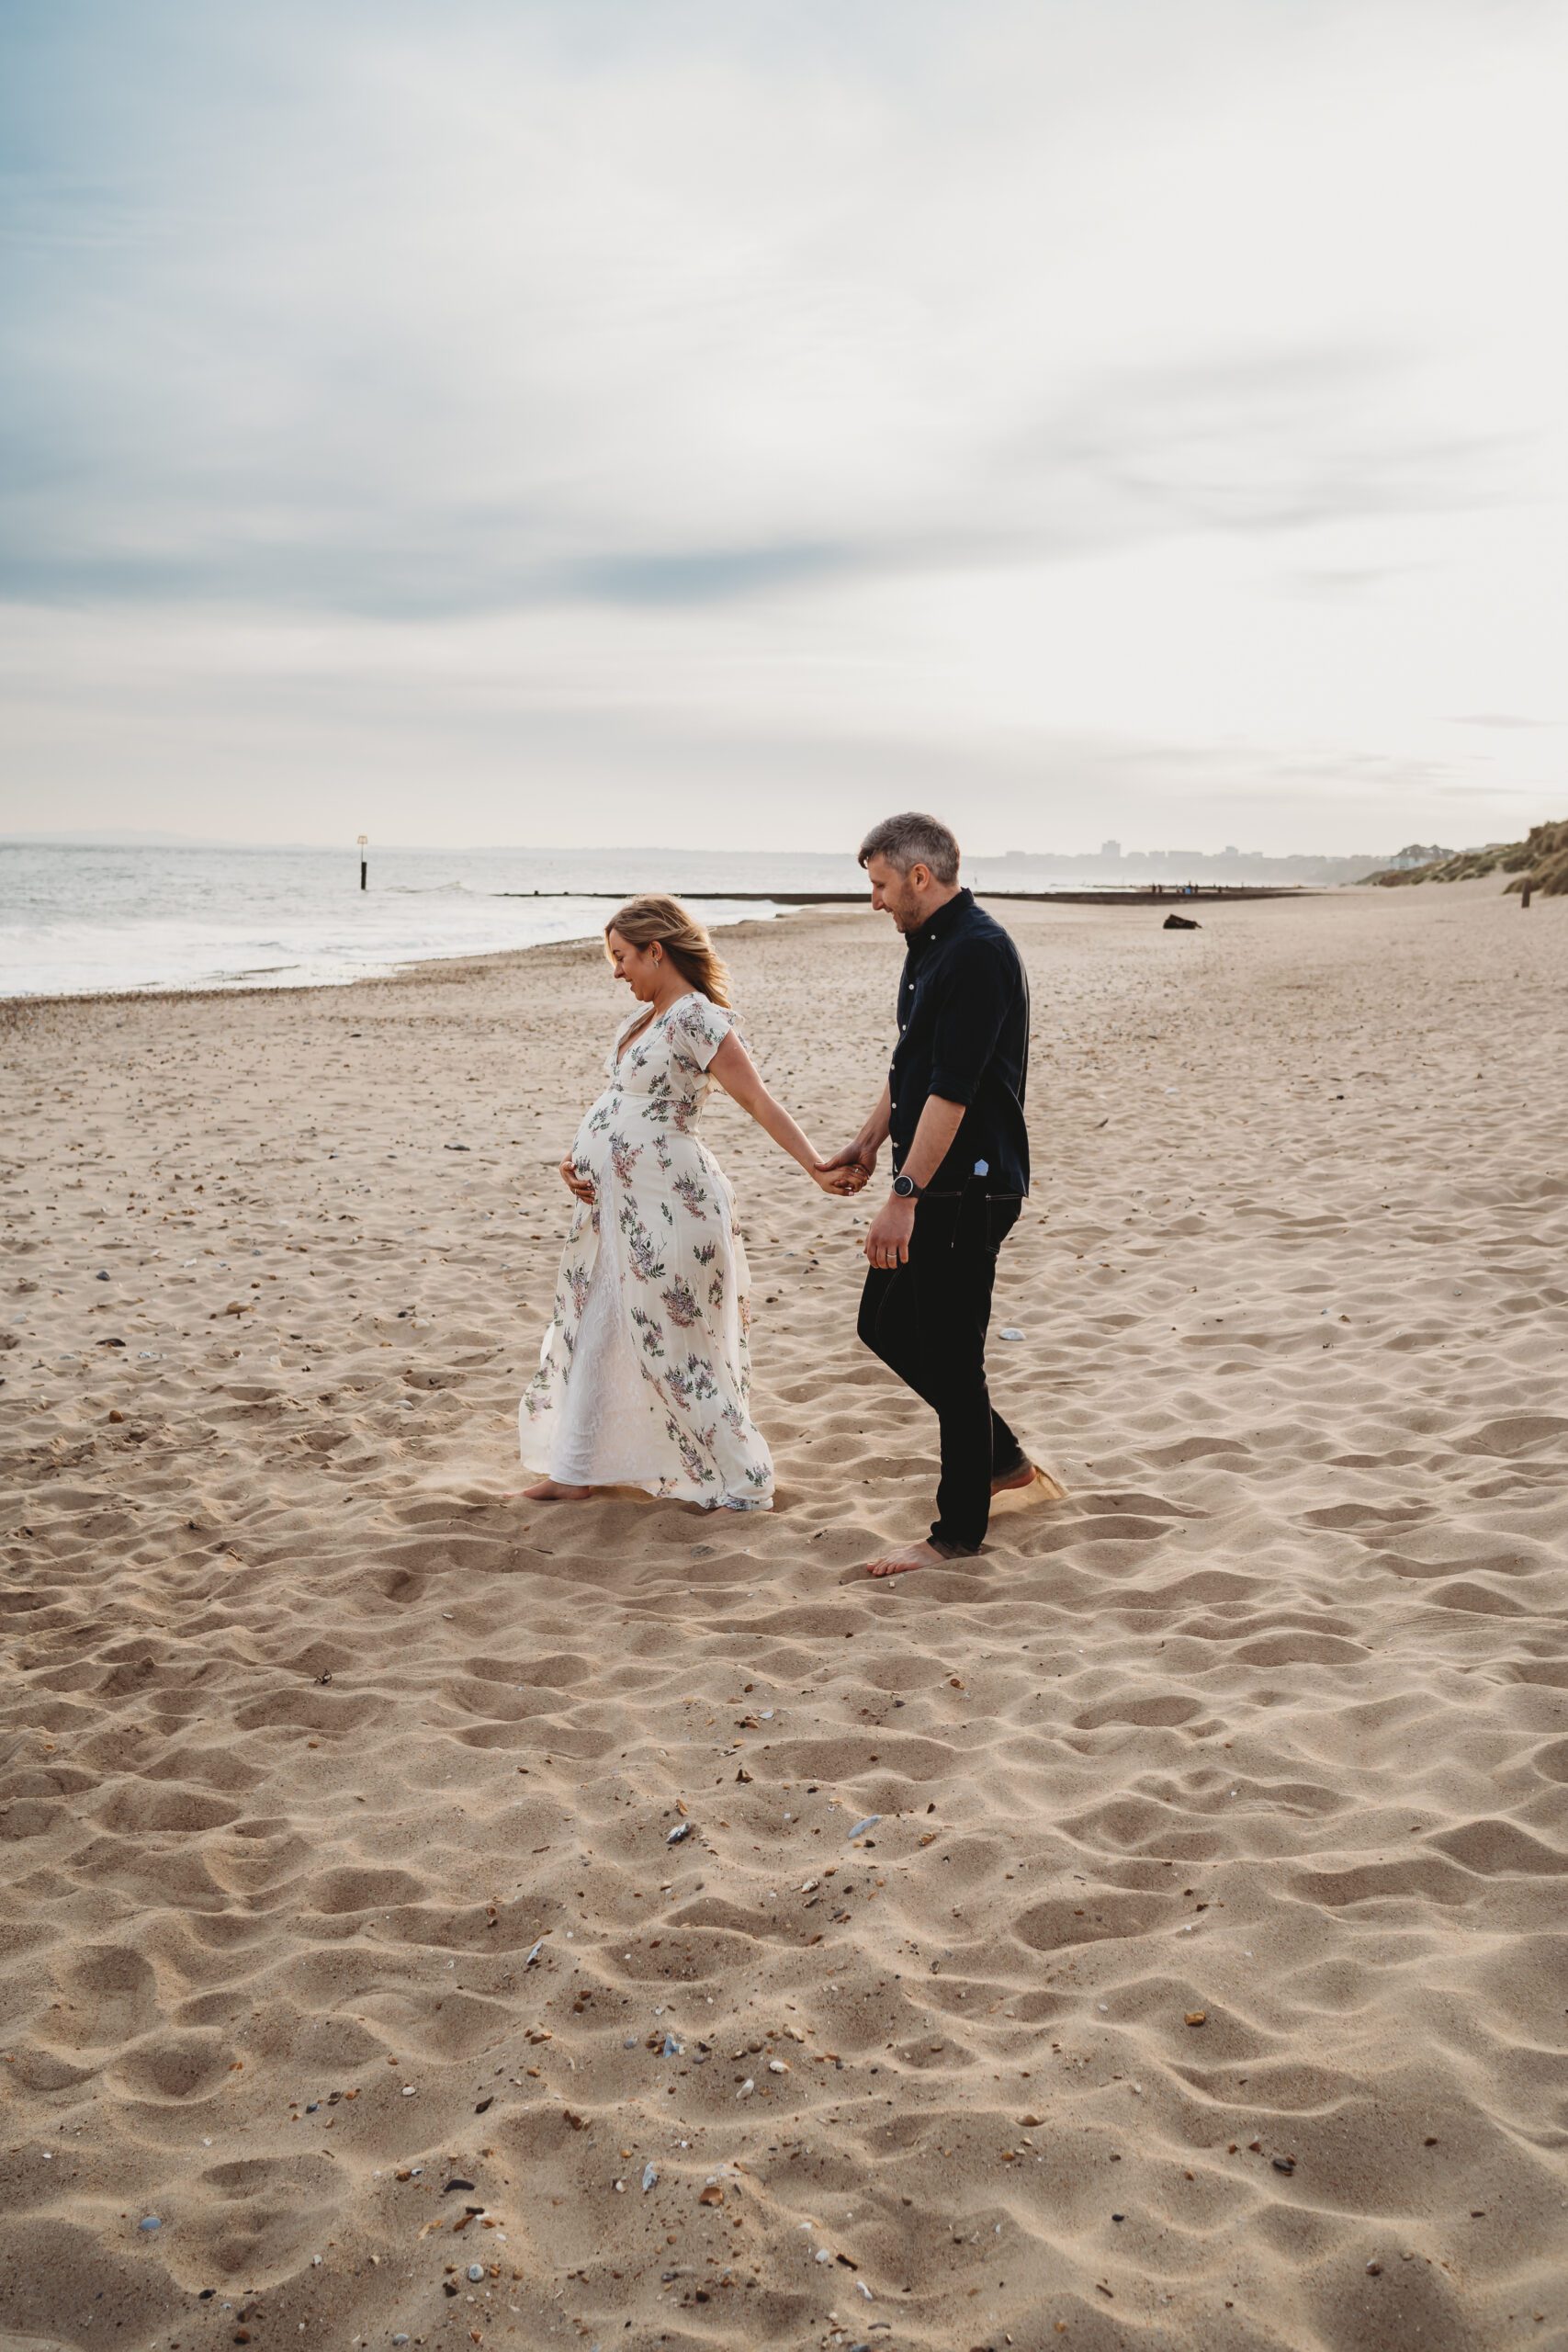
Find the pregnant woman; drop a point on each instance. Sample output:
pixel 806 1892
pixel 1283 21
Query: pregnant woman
pixel 644 1378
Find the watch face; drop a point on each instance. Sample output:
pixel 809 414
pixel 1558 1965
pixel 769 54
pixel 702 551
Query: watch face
pixel 904 1186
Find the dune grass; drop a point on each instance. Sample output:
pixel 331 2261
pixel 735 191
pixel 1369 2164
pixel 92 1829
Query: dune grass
pixel 1540 859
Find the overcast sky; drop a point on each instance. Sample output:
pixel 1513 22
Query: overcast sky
pixel 604 420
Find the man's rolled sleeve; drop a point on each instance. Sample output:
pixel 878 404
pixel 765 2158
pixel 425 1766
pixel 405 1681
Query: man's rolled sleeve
pixel 968 1025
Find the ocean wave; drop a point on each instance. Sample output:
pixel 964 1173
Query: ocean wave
pixel 147 922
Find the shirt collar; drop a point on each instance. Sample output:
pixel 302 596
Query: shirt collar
pixel 937 925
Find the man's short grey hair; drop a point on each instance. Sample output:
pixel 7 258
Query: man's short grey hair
pixel 913 840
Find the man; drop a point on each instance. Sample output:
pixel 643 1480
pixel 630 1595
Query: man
pixel 953 1108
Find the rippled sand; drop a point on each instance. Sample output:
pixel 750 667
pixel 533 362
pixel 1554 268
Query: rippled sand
pixel 1203 1979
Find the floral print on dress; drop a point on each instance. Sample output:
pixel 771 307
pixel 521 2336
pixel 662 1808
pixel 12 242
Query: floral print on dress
pixel 624 1157
pixel 662 1229
pixel 681 1300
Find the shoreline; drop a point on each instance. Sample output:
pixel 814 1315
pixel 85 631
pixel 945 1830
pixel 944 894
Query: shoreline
pixel 791 904
pixel 430 966
pixel 1133 894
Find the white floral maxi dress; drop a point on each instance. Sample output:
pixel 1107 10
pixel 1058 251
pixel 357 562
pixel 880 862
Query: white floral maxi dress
pixel 645 1375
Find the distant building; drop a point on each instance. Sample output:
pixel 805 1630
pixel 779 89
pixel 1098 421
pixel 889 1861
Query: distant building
pixel 1418 854
pixel 1111 850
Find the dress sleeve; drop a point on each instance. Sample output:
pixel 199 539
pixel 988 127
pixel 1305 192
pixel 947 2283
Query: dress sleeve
pixel 702 1028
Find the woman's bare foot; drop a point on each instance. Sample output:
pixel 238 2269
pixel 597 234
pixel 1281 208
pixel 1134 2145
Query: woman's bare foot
pixel 549 1490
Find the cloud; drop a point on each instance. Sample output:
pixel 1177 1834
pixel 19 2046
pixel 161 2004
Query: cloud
pixel 1501 719
pixel 791 378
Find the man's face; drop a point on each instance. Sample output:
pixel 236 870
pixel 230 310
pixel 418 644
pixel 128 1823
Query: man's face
pixel 902 895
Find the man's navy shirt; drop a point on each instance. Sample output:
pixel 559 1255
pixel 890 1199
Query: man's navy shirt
pixel 964 1034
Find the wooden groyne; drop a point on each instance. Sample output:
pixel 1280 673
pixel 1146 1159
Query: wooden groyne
pixel 1153 894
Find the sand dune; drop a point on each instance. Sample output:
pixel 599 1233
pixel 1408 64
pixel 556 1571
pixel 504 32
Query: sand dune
pixel 1184 1967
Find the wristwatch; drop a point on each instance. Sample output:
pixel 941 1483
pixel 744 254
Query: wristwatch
pixel 907 1188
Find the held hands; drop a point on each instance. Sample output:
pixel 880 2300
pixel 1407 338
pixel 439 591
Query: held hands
pixel 845 1172
pixel 842 1178
pixel 577 1183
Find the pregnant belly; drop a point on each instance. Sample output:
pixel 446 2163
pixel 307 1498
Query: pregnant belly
pixel 614 1140
pixel 616 1144
pixel 591 1144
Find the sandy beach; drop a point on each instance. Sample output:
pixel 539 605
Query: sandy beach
pixel 433 1918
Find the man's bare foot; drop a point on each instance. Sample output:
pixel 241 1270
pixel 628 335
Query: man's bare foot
pixel 1018 1481
pixel 1024 1475
pixel 549 1490
pixel 913 1556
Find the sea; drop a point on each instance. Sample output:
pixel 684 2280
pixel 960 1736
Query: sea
pixel 84 920
pixel 81 918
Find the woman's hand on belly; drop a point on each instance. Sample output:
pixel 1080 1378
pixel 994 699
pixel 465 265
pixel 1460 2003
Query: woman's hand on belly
pixel 577 1178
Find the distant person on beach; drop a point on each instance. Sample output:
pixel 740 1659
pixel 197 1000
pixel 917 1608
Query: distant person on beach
pixel 644 1376
pixel 954 1109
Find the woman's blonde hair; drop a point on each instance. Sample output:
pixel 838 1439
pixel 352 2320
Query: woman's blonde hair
pixel 654 919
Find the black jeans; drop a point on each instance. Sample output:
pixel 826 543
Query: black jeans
pixel 927 1321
